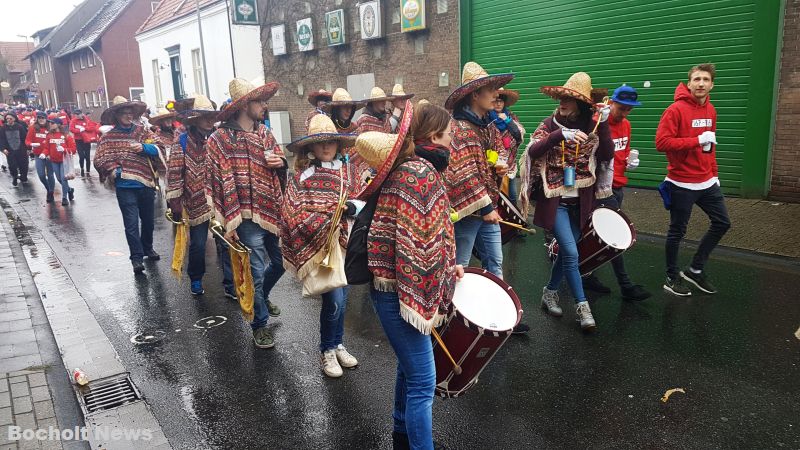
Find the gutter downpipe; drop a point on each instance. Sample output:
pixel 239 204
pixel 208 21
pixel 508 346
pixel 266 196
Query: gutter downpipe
pixel 103 69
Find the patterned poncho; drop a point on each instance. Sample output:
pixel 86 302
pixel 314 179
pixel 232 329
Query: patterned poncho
pixel 240 185
pixel 510 147
pixel 119 148
pixel 550 168
pixel 411 245
pixel 186 176
pixel 367 122
pixel 311 199
pixel 471 183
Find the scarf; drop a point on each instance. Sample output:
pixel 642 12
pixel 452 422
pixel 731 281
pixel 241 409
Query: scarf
pixel 465 113
pixel 501 124
pixel 378 115
pixel 436 154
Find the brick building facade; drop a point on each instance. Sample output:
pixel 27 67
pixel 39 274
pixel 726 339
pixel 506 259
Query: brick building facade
pixel 785 185
pixel 426 62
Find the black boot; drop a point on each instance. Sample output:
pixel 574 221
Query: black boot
pixel 14 182
pixel 138 266
pixel 71 194
pixel 400 441
pixel 592 283
pixel 152 255
pixel 50 197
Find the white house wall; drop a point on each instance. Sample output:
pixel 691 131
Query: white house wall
pixel 184 32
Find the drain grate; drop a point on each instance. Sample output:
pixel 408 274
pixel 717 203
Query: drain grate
pixel 108 393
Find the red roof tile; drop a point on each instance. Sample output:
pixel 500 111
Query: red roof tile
pixel 15 53
pixel 169 10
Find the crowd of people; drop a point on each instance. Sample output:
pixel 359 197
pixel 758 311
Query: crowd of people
pixel 403 196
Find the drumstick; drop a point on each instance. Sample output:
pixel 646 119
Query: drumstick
pixel 519 227
pixel 456 367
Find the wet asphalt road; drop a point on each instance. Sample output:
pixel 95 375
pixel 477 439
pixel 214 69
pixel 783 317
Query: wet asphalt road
pixel 735 354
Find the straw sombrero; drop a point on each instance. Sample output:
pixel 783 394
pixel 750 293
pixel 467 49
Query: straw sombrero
pixel 398 93
pixel 473 78
pixel 380 150
pixel 242 92
pixel 377 95
pixel 510 96
pixel 315 96
pixel 119 102
pixel 321 129
pixel 579 87
pixel 178 106
pixel 201 107
pixel 341 98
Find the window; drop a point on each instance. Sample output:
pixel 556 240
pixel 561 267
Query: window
pixel 47 99
pixel 157 81
pixel 72 62
pixel 396 15
pixel 49 64
pixel 78 99
pixel 441 6
pixel 83 60
pixel 154 5
pixel 90 58
pixel 197 70
pixel 86 99
pixel 419 45
pixel 95 99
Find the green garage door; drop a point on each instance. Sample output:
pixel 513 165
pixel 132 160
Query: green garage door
pixel 649 45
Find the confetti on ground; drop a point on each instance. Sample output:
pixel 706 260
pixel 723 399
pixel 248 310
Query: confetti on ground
pixel 670 392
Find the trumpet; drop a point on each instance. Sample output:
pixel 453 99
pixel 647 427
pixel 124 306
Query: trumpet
pixel 337 216
pixel 168 214
pixel 219 231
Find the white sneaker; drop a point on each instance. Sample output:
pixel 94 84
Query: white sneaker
pixel 584 316
pixel 550 302
pixel 330 366
pixel 345 358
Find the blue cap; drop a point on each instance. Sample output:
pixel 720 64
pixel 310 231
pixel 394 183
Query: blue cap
pixel 626 95
pixel 57 121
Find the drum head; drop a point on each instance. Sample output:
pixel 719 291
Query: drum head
pixel 484 303
pixel 612 228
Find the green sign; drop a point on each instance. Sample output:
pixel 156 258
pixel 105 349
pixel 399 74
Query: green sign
pixel 245 12
pixel 412 15
pixel 334 22
pixel 305 37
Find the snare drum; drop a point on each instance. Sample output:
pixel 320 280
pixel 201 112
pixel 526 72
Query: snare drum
pixel 485 311
pixel 509 213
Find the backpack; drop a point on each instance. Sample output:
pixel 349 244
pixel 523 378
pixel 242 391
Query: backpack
pixel 355 262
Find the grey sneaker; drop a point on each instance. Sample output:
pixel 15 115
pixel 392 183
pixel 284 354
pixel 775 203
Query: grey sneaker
pixel 677 287
pixel 330 365
pixel 263 338
pixel 344 357
pixel 550 302
pixel 584 316
pixel 274 311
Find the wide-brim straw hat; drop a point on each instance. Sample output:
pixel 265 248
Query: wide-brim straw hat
pixel 578 86
pixel 377 95
pixel 510 96
pixel 119 102
pixel 320 129
pixel 202 107
pixel 380 150
pixel 342 98
pixel 162 115
pixel 398 93
pixel 473 78
pixel 321 94
pixel 243 92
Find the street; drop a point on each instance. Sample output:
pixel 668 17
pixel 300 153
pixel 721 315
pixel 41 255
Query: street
pixel 735 354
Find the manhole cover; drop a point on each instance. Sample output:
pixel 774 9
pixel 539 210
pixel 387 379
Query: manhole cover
pixel 150 337
pixel 210 322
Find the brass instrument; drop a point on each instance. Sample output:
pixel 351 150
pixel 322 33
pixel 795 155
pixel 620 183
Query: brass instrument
pixel 337 216
pixel 168 214
pixel 219 231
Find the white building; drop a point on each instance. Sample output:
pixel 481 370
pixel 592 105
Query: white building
pixel 172 62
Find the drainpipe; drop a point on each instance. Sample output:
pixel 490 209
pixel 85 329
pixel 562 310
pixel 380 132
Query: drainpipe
pixel 230 35
pixel 202 48
pixel 103 69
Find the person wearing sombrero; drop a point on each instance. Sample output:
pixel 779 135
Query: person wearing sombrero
pixel 166 126
pixel 411 255
pixel 246 176
pixel 317 99
pixel 312 196
pixel 512 134
pixel 399 98
pixel 341 109
pixel 560 175
pixel 374 117
pixel 125 158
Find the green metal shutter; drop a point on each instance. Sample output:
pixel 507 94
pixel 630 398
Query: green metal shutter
pixel 633 42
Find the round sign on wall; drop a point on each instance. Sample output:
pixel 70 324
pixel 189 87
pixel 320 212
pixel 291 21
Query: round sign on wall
pixel 370 19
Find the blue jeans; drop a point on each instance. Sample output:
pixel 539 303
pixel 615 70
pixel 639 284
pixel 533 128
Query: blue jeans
pixel 44 169
pixel 567 231
pixel 331 319
pixel 137 204
pixel 198 235
pixel 485 237
pixel 264 245
pixel 416 372
pixel 58 170
pixel 224 259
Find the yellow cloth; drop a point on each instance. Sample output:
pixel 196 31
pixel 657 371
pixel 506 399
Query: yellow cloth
pixel 504 186
pixel 243 282
pixel 179 253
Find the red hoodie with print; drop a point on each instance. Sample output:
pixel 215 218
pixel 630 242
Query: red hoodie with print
pixel 36 135
pixel 680 125
pixel 56 139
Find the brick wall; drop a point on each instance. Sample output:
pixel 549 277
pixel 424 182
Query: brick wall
pixel 785 185
pixel 397 55
pixel 120 51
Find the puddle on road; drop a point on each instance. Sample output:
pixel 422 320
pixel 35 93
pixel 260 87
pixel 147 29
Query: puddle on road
pixel 148 337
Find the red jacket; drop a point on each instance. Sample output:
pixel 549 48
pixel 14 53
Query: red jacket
pixel 680 125
pixel 54 139
pixel 90 132
pixel 621 135
pixel 36 137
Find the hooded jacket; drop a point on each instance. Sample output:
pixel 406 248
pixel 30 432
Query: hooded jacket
pixel 90 129
pixel 57 139
pixel 680 125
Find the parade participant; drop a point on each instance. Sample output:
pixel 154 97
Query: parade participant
pixel 57 144
pixel 125 158
pixel 511 134
pixel 411 254
pixel 399 98
pixel 312 198
pixel 163 126
pixel 687 134
pixel 341 110
pixel 86 134
pixel 246 175
pixel 12 144
pixel 374 116
pixel 566 151
pixel 317 99
pixel 37 136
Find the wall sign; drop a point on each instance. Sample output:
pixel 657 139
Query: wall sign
pixel 370 17
pixel 245 12
pixel 305 35
pixel 412 15
pixel 278 39
pixel 334 22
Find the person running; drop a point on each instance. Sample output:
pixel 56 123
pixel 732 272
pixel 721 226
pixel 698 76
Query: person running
pixel 687 134
pixel 37 136
pixel 57 145
pixel 246 175
pixel 86 134
pixel 12 144
pixel 126 159
pixel 312 197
